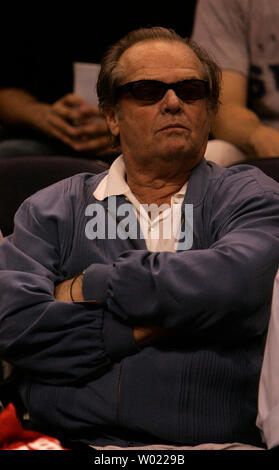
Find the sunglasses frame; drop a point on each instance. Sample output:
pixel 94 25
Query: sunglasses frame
pixel 130 88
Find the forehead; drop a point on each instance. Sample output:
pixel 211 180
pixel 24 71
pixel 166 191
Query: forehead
pixel 161 60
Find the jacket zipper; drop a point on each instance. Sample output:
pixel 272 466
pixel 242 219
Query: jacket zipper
pixel 137 247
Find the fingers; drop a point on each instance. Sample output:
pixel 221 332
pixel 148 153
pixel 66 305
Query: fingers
pixel 99 145
pixel 79 140
pixel 60 123
pixel 67 110
pixel 76 124
pixel 144 336
pixel 71 100
pixel 75 109
pixel 92 129
pixel 62 130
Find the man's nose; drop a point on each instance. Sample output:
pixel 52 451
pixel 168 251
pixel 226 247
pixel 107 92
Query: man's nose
pixel 171 103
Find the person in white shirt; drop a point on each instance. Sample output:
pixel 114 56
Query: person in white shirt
pixel 242 36
pixel 268 415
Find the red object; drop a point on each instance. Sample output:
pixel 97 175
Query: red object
pixel 14 437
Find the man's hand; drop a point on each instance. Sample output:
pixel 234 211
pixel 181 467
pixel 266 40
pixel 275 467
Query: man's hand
pixel 238 124
pixel 75 123
pixel 265 142
pixel 70 120
pixel 145 336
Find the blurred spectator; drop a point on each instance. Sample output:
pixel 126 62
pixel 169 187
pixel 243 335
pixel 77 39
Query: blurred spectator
pixel 38 112
pixel 242 36
pixel 268 416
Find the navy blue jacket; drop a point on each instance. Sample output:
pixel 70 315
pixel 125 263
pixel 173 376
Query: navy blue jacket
pixel 83 375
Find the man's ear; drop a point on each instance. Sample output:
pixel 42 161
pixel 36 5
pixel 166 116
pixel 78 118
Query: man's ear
pixel 112 118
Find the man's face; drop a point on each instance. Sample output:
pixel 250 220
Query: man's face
pixel 169 128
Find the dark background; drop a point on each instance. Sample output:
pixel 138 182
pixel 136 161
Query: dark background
pixel 78 23
pixel 39 43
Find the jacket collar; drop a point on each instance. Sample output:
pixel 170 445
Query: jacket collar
pixel 199 181
pixel 197 187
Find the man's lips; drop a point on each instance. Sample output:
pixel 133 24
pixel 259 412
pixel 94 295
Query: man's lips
pixel 173 126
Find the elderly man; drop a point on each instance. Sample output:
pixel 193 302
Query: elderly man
pixel 129 338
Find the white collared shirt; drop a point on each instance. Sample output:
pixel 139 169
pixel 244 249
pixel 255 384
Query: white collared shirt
pixel 162 229
pixel 268 413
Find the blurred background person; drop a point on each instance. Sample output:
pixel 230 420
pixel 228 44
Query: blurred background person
pixel 40 111
pixel 242 36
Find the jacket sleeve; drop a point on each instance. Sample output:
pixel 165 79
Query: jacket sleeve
pixel 222 292
pixel 53 341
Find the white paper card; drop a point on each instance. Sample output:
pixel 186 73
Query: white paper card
pixel 85 80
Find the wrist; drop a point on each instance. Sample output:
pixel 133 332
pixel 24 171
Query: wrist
pixel 76 288
pixel 37 113
pixel 255 141
pixel 95 283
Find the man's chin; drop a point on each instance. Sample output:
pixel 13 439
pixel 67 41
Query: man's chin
pixel 177 153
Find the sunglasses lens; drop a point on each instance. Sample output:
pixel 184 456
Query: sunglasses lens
pixel 147 90
pixel 152 91
pixel 191 90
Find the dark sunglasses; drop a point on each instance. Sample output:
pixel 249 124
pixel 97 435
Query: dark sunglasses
pixel 152 91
